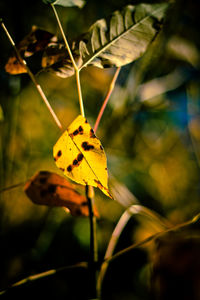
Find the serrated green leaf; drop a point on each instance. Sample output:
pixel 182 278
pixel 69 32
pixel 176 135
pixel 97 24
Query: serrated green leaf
pixel 66 3
pixel 122 38
pixel 116 41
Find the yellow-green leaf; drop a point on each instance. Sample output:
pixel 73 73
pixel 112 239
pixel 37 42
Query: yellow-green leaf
pixel 80 155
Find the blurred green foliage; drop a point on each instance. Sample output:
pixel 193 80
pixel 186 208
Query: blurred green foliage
pixel 150 132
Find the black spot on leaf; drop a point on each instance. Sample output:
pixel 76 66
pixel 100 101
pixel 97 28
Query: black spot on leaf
pixel 43 180
pixel 75 132
pixel 59 153
pixel 80 129
pixel 52 188
pixel 69 168
pixel 87 146
pixel 80 157
pixel 75 162
pixel 43 193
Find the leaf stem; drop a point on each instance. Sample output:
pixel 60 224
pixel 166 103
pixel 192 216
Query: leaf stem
pixel 111 87
pixel 93 243
pixel 77 71
pixel 38 87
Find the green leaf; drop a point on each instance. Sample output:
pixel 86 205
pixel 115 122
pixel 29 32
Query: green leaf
pixel 116 41
pixel 124 37
pixel 66 3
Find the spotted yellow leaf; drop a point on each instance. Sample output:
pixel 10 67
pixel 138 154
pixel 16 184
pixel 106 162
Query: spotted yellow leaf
pixel 80 155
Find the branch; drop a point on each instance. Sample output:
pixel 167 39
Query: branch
pixel 111 87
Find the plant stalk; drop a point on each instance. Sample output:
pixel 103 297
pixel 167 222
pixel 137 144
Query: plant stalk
pixel 93 245
pixel 38 87
pixel 77 71
pixel 129 212
pixel 111 87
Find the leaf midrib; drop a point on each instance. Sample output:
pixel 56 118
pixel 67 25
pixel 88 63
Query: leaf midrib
pixel 85 159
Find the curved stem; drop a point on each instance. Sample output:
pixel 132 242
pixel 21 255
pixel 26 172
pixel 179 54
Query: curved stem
pixel 129 212
pixel 38 87
pixel 111 87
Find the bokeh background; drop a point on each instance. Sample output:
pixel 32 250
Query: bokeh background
pixel 150 131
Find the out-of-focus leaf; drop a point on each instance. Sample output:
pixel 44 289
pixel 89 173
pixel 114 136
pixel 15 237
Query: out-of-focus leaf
pixel 80 155
pixel 66 3
pixel 56 60
pixel 35 41
pixel 161 85
pixel 183 49
pixel 175 258
pixel 122 38
pixel 47 188
pixel 121 193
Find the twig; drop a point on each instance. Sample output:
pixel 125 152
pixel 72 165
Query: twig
pixel 38 87
pixel 77 71
pixel 44 275
pixel 93 243
pixel 111 87
pixel 11 187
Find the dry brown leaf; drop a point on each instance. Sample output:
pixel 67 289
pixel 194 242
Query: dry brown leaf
pixel 35 41
pixel 47 188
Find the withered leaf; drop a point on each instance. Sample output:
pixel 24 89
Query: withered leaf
pixel 47 188
pixel 57 61
pixel 35 41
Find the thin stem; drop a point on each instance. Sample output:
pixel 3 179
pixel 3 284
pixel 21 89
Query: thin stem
pixel 129 212
pixel 14 186
pixel 79 93
pixel 44 275
pixel 64 37
pixel 194 220
pixel 111 87
pixel 77 71
pixel 93 243
pixel 38 87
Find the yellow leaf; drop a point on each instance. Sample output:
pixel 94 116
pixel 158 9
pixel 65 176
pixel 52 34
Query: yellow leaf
pixel 80 155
